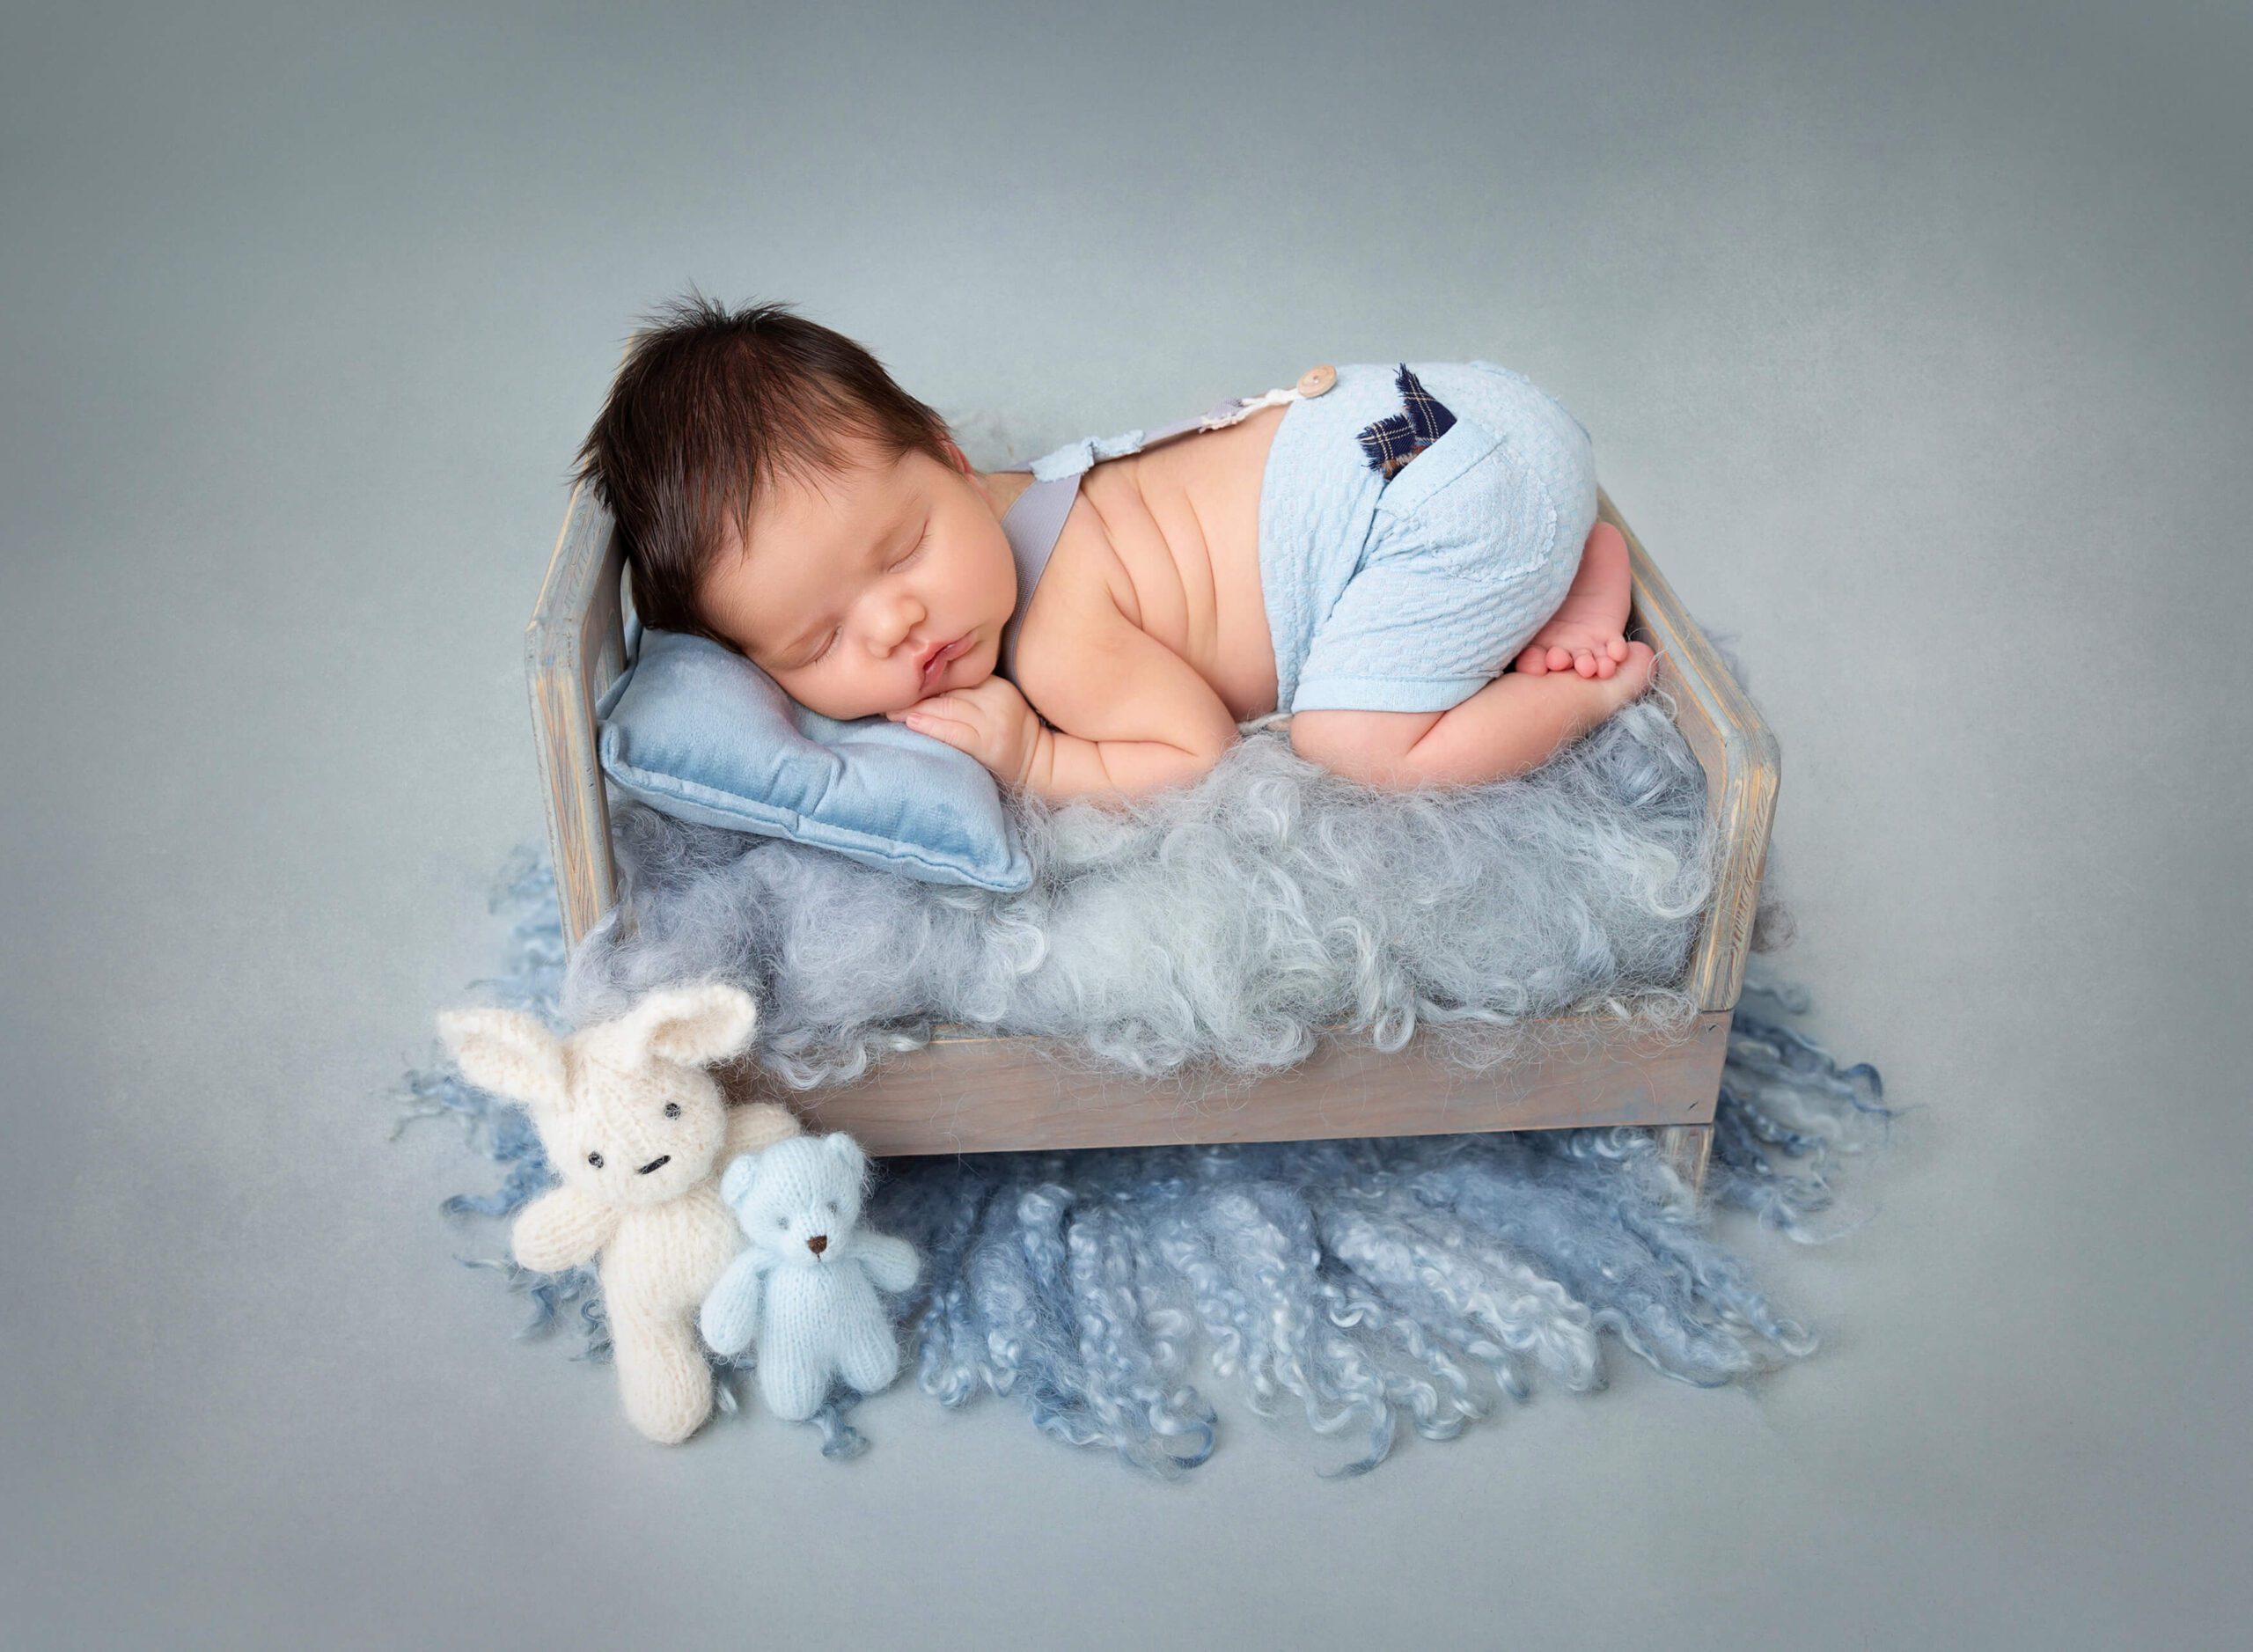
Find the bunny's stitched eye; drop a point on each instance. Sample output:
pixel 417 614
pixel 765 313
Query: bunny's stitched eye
pixel 595 1159
pixel 672 1110
pixel 781 1221
pixel 831 1204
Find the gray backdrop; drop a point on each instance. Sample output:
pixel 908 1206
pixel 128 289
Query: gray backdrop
pixel 1913 340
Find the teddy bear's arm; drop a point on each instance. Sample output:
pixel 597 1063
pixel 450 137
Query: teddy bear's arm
pixel 561 1229
pixel 892 1263
pixel 756 1125
pixel 730 1315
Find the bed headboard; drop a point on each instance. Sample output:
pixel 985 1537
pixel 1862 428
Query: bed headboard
pixel 575 646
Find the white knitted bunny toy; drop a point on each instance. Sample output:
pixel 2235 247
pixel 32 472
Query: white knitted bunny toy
pixel 805 1286
pixel 635 1127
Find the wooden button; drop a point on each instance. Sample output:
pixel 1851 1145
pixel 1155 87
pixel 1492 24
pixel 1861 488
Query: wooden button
pixel 1316 380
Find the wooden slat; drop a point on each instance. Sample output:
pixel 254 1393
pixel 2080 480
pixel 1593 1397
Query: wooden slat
pixel 1743 766
pixel 994 1095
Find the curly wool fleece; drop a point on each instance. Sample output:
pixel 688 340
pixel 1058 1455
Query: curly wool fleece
pixel 1361 1284
pixel 1221 924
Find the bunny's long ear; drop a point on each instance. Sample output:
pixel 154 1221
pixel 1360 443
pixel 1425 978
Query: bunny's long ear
pixel 696 1026
pixel 508 1052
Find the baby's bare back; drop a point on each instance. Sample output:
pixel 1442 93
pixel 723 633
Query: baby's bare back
pixel 1172 537
pixel 1147 642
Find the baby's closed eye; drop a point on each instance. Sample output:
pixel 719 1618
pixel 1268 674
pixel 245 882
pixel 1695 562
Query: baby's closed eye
pixel 916 549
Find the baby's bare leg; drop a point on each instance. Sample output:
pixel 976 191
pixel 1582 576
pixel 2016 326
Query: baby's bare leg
pixel 1587 633
pixel 1514 723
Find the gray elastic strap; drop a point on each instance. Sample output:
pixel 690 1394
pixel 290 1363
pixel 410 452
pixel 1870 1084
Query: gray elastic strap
pixel 1032 523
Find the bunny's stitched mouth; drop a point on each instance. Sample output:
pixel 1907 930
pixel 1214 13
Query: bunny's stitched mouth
pixel 661 1159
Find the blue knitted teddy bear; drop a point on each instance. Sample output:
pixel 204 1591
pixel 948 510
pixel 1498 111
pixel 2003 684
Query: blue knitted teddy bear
pixel 805 1289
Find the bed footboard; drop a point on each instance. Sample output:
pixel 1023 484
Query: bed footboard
pixel 1743 766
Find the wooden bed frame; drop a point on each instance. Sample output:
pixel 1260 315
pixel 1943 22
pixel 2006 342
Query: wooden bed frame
pixel 970 1091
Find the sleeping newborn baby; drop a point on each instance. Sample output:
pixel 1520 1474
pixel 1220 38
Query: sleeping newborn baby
pixel 1407 558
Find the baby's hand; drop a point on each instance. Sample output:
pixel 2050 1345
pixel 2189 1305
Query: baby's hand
pixel 990 721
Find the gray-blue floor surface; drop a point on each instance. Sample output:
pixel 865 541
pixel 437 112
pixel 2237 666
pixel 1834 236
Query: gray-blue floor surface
pixel 1913 342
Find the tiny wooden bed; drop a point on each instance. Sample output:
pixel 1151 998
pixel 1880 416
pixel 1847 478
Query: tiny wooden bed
pixel 971 1091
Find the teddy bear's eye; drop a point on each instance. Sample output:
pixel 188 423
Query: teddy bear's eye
pixel 781 1221
pixel 595 1159
pixel 672 1110
pixel 831 1204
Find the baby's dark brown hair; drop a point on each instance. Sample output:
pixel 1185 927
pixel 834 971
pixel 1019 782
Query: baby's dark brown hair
pixel 709 408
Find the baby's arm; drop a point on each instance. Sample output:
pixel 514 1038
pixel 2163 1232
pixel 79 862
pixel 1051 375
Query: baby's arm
pixel 1134 717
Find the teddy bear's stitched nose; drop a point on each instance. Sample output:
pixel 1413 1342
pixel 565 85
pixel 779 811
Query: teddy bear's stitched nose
pixel 817 1243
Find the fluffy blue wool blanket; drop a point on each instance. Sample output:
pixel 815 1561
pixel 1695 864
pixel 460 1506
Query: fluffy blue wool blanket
pixel 1208 932
pixel 1359 1283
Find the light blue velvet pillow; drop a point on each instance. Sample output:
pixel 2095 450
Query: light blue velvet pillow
pixel 701 733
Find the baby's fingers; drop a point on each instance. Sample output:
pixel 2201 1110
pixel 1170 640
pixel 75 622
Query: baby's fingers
pixel 961 736
pixel 946 701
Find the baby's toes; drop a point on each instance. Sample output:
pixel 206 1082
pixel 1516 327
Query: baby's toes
pixel 1560 658
pixel 1533 660
pixel 1618 649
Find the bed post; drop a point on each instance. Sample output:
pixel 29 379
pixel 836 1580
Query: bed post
pixel 1685 1148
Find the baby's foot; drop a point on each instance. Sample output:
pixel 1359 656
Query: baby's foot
pixel 1587 633
pixel 1600 697
pixel 1631 676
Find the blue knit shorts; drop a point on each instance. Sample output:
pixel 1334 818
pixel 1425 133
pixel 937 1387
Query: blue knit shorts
pixel 1411 591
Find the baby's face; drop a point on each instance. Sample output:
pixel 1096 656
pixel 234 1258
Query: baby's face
pixel 847 585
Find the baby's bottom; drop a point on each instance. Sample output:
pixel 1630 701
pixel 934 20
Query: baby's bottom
pixel 1518 721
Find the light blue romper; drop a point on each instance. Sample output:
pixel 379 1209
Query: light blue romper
pixel 1409 594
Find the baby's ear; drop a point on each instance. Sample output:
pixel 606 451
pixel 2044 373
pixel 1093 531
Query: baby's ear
pixel 508 1052
pixel 696 1026
pixel 736 1181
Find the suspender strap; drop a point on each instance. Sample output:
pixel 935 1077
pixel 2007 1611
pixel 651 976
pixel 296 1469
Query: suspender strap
pixel 1074 457
pixel 1032 522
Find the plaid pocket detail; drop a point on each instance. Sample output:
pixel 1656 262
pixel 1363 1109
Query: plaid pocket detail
pixel 1391 443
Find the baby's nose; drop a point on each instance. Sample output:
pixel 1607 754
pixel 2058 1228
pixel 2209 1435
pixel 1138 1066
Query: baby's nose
pixel 817 1243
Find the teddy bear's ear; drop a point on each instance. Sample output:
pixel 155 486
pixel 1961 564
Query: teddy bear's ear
pixel 846 1151
pixel 694 1026
pixel 735 1184
pixel 508 1052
